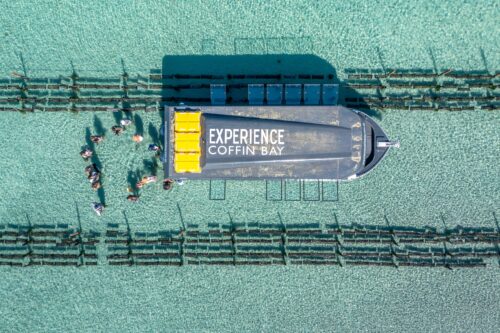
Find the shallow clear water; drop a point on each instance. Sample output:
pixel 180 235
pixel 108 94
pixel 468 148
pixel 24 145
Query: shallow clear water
pixel 446 170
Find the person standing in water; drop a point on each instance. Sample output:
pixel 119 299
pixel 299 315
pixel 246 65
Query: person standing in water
pixel 167 184
pixel 153 147
pixel 96 185
pixel 149 179
pixel 98 208
pixel 89 169
pixel 117 130
pixel 94 176
pixel 96 138
pixel 125 122
pixel 133 198
pixel 137 138
pixel 139 184
pixel 145 180
pixel 86 153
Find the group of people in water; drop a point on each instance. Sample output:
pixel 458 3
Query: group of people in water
pixel 93 173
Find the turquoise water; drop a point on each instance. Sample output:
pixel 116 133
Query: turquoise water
pixel 248 299
pixel 446 170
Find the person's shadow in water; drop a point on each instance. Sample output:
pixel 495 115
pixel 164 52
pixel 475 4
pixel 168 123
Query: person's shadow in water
pixel 98 126
pixel 139 125
pixel 153 133
pixel 132 178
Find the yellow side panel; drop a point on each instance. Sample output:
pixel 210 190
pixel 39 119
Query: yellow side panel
pixel 193 117
pixel 182 167
pixel 187 157
pixel 184 126
pixel 187 136
pixel 187 142
pixel 187 146
pixel 187 121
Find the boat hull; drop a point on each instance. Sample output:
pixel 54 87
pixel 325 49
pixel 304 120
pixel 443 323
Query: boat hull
pixel 277 142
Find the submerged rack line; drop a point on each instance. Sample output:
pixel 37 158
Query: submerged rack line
pixel 362 73
pixel 147 92
pixel 241 245
pixel 42 245
pixel 246 244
